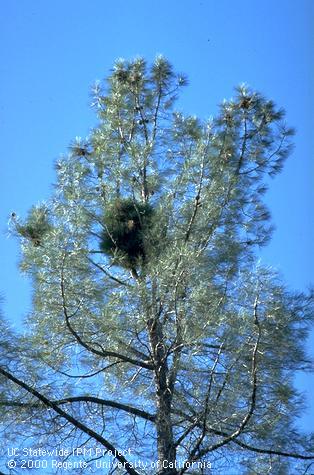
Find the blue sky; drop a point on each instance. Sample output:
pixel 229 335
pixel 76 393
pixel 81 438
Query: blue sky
pixel 52 52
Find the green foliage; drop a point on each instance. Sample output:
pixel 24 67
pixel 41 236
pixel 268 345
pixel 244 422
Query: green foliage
pixel 126 223
pixel 36 226
pixel 198 343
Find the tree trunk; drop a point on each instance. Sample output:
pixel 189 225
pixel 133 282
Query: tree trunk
pixel 165 442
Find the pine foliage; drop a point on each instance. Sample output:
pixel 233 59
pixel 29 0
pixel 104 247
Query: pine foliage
pixel 189 357
pixel 125 225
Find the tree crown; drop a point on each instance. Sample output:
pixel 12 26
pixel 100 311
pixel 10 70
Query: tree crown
pixel 145 275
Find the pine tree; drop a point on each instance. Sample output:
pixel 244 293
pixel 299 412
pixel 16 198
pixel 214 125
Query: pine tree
pixel 153 327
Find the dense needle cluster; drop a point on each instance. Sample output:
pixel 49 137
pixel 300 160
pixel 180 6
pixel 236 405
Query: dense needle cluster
pixel 125 225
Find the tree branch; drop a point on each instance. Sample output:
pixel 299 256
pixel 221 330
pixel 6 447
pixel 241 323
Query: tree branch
pixel 196 201
pixel 107 402
pixel 79 425
pixel 103 353
pixel 112 277
pixel 243 444
pixel 103 402
pixel 251 409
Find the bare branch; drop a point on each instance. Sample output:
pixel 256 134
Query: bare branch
pixel 102 269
